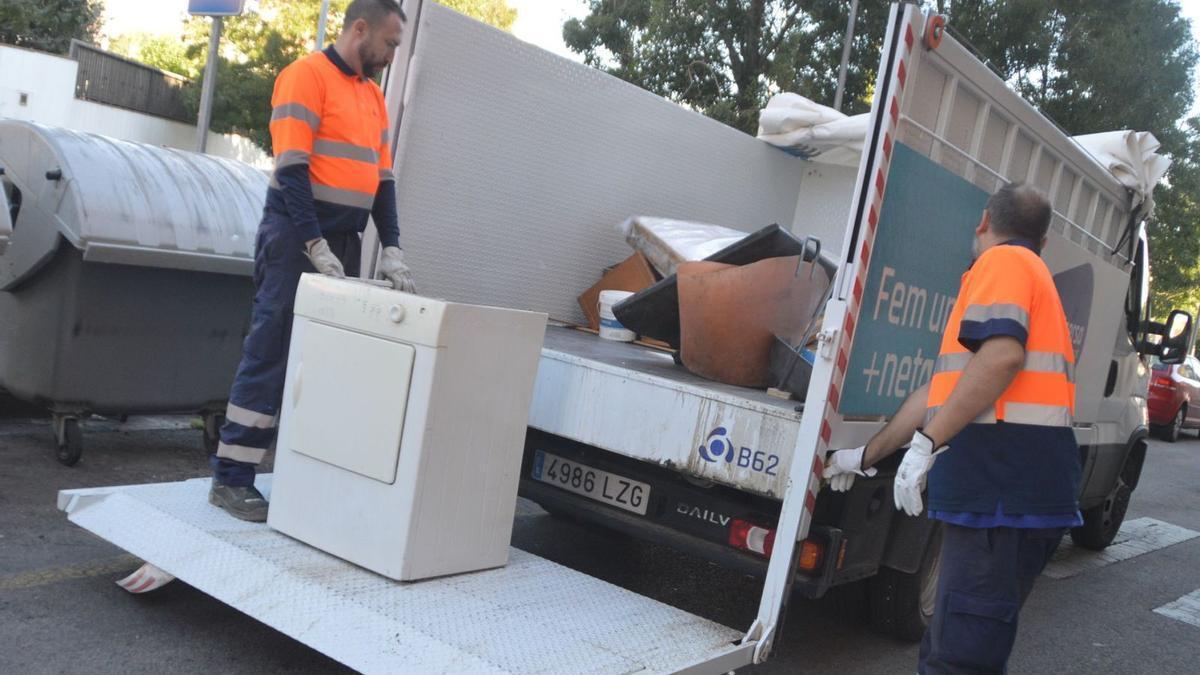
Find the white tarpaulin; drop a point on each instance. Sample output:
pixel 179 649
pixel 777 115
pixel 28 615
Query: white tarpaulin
pixel 822 134
pixel 1132 158
pixel 817 132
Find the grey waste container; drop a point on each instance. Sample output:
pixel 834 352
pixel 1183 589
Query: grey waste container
pixel 125 286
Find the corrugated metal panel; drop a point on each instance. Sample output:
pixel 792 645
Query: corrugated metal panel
pixel 127 202
pixel 515 165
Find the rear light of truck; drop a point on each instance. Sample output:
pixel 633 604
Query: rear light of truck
pixel 1161 379
pixel 747 536
pixel 753 538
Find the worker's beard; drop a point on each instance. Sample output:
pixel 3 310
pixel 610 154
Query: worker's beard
pixel 372 64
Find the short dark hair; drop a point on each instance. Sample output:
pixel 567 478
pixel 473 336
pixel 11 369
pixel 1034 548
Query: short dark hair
pixel 373 11
pixel 1019 210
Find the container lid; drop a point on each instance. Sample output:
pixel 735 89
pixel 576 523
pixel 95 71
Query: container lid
pixel 126 202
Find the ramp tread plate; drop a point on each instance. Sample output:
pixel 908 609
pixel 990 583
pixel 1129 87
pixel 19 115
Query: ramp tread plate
pixel 533 616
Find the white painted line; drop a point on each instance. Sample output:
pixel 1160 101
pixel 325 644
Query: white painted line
pixel 1185 609
pixel 1136 537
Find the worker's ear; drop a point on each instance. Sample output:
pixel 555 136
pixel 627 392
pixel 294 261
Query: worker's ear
pixel 361 28
pixel 983 224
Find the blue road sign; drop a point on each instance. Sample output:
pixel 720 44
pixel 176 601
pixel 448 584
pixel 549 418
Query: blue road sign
pixel 215 7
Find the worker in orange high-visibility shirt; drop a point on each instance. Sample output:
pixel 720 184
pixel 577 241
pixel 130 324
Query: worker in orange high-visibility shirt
pixel 999 406
pixel 333 169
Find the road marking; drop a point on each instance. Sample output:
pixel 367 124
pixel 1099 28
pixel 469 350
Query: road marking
pixel 54 575
pixel 1185 609
pixel 1136 537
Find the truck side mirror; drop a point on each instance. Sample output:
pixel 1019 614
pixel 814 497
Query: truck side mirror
pixel 1175 337
pixel 1169 341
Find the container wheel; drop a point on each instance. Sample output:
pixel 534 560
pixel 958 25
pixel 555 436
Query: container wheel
pixel 70 448
pixel 212 431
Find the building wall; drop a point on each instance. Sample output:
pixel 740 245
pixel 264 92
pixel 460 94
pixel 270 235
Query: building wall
pixel 40 88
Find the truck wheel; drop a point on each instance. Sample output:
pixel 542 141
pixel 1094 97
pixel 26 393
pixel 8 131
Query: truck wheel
pixel 902 604
pixel 1170 433
pixel 1102 522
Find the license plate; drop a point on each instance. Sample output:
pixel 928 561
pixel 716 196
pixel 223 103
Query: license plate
pixel 602 486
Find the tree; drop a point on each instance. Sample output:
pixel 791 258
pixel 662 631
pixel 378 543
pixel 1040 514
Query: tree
pixel 162 51
pixel 49 25
pixel 725 58
pixel 254 48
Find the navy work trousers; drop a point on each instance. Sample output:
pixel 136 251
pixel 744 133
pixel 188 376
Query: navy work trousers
pixel 986 575
pixel 252 417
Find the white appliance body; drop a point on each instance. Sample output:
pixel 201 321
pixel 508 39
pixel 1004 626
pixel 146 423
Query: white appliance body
pixel 402 428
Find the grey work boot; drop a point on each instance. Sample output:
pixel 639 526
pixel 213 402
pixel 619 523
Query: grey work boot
pixel 246 503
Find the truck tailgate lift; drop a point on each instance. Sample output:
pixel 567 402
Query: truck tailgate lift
pixel 533 616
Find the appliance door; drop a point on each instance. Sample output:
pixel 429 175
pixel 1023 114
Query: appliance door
pixel 349 400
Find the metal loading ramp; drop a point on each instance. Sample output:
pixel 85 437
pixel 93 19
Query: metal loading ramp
pixel 533 616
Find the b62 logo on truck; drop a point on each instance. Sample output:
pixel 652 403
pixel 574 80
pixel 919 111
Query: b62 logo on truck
pixel 719 447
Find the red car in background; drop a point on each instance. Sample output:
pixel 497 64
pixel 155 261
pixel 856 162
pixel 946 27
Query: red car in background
pixel 1175 398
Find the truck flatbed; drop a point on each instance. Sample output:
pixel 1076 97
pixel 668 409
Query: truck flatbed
pixel 659 412
pixel 639 362
pixel 532 616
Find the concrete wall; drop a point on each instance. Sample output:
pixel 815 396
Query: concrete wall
pixel 40 87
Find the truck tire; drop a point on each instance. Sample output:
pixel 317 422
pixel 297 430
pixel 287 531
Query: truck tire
pixel 1102 522
pixel 901 605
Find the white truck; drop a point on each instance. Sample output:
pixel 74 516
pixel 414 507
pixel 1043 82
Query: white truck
pixel 513 166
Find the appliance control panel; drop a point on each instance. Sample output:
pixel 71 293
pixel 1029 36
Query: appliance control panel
pixel 375 310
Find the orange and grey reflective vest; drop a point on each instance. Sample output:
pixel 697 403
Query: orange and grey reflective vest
pixel 1020 455
pixel 333 163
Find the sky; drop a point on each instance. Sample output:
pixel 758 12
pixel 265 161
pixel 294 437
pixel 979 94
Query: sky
pixel 538 21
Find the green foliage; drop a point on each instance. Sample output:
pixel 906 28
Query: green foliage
pixel 725 58
pixel 49 25
pixel 161 51
pixel 1175 232
pixel 492 12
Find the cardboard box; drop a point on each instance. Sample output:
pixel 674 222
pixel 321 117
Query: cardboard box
pixel 632 275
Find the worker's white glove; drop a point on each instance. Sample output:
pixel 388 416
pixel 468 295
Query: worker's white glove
pixel 843 465
pixel 392 266
pixel 910 477
pixel 324 260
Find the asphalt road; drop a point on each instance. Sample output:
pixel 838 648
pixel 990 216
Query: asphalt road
pixel 61 612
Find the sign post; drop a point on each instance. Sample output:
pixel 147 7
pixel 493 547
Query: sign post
pixel 321 25
pixel 217 9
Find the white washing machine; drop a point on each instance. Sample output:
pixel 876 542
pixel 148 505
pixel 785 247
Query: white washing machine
pixel 402 428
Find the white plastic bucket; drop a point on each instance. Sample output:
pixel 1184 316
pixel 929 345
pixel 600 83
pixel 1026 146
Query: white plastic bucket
pixel 610 328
